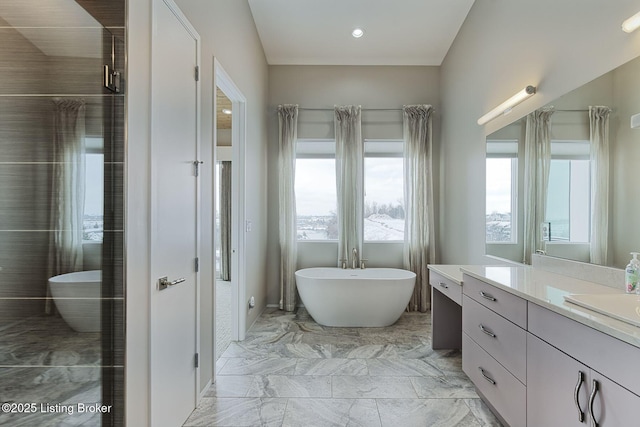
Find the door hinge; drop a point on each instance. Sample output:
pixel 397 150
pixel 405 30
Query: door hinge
pixel 197 73
pixel 196 360
pixel 197 263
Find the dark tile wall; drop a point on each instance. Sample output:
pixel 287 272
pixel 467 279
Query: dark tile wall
pixel 49 53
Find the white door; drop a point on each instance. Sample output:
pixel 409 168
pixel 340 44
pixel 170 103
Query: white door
pixel 174 222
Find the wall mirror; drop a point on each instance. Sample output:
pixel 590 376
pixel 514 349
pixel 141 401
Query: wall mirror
pixel 566 227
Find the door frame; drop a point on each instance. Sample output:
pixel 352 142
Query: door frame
pixel 157 50
pixel 223 81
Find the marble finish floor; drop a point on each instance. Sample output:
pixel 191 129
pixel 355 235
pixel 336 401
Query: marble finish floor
pixel 290 371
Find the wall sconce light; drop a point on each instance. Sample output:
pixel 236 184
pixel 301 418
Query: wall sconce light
pixel 631 24
pixel 506 106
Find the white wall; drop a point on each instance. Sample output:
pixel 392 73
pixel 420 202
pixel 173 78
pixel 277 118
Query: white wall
pixel 324 87
pixel 227 31
pixel 503 46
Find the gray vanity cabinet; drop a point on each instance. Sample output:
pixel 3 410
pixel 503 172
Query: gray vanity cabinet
pixel 555 382
pixel 559 391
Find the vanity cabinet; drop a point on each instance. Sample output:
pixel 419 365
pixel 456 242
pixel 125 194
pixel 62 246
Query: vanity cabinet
pixel 494 347
pixel 446 312
pixel 566 381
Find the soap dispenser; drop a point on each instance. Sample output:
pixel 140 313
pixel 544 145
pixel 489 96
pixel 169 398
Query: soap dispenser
pixel 632 274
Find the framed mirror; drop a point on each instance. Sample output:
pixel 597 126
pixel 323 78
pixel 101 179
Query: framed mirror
pixel 571 224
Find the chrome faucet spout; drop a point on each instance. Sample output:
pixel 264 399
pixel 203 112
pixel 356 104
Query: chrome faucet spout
pixel 354 260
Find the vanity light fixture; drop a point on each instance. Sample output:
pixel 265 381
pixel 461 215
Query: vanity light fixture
pixel 631 24
pixel 507 106
pixel 357 33
pixel 226 111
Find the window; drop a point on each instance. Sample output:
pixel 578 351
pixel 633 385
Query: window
pixel 384 191
pixel 94 191
pixel 316 200
pixel 568 210
pixel 501 202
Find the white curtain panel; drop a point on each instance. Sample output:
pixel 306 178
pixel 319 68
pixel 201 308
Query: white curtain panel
pixel 537 162
pixel 67 186
pixel 599 131
pixel 288 135
pixel 419 246
pixel 349 181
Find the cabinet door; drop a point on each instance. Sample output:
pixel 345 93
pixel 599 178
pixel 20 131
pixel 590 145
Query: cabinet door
pixel 613 405
pixel 552 378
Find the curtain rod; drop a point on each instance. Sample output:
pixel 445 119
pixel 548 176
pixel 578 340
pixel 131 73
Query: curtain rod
pixel 573 111
pixel 363 109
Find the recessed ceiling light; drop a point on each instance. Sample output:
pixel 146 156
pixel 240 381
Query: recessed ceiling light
pixel 226 111
pixel 357 33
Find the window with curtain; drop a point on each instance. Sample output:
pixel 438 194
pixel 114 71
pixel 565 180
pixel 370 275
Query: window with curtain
pixel 315 187
pixel 383 190
pixel 568 197
pixel 502 191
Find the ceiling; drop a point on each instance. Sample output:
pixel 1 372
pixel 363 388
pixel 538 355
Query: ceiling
pixel 396 32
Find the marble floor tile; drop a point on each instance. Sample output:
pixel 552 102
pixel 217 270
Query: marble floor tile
pixel 290 371
pixel 372 387
pixel 331 413
pixel 400 368
pixel 230 386
pixel 482 413
pixel 238 412
pixel 237 366
pixel 450 387
pixel 331 367
pixel 290 386
pixel 425 412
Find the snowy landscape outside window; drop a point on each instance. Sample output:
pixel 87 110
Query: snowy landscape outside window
pixel 384 191
pixel 315 187
pixel 502 184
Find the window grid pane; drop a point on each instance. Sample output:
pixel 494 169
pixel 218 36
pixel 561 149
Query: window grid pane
pixel 316 205
pixel 384 199
pixel 499 202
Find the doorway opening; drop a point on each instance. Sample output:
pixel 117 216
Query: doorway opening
pixel 229 201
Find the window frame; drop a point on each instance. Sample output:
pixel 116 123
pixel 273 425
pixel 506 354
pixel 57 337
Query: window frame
pixel 92 146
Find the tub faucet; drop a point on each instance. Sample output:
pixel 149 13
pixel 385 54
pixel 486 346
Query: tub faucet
pixel 354 260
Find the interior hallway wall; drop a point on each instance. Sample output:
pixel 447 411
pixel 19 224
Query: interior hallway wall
pixel 503 46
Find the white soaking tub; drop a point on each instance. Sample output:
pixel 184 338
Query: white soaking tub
pixel 373 297
pixel 77 298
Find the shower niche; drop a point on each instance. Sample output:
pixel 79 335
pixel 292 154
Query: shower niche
pixel 62 164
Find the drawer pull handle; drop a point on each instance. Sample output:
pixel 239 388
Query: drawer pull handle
pixel 444 285
pixel 487 296
pixel 486 377
pixel 487 331
pixel 592 399
pixel 575 396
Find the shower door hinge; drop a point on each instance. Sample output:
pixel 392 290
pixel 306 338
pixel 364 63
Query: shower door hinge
pixel 196 360
pixel 197 73
pixel 111 79
pixel 197 263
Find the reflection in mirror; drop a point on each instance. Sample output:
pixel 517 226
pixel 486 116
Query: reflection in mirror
pixel 588 213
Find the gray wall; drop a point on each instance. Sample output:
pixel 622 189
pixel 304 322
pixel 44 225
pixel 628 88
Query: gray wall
pixel 324 87
pixel 502 47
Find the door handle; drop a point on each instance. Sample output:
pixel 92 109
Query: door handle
pixel 164 283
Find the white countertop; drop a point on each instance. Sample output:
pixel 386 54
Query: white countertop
pixel 450 271
pixel 548 289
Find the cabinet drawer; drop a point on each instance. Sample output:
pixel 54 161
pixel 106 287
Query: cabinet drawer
pixel 503 340
pixel 502 302
pixel 503 391
pixel 448 287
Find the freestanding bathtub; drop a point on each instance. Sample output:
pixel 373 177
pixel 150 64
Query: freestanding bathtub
pixel 373 297
pixel 77 298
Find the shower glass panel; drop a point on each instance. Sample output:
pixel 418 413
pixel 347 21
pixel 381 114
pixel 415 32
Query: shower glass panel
pixel 61 212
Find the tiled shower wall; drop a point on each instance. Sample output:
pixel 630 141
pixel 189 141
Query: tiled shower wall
pixel 48 50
